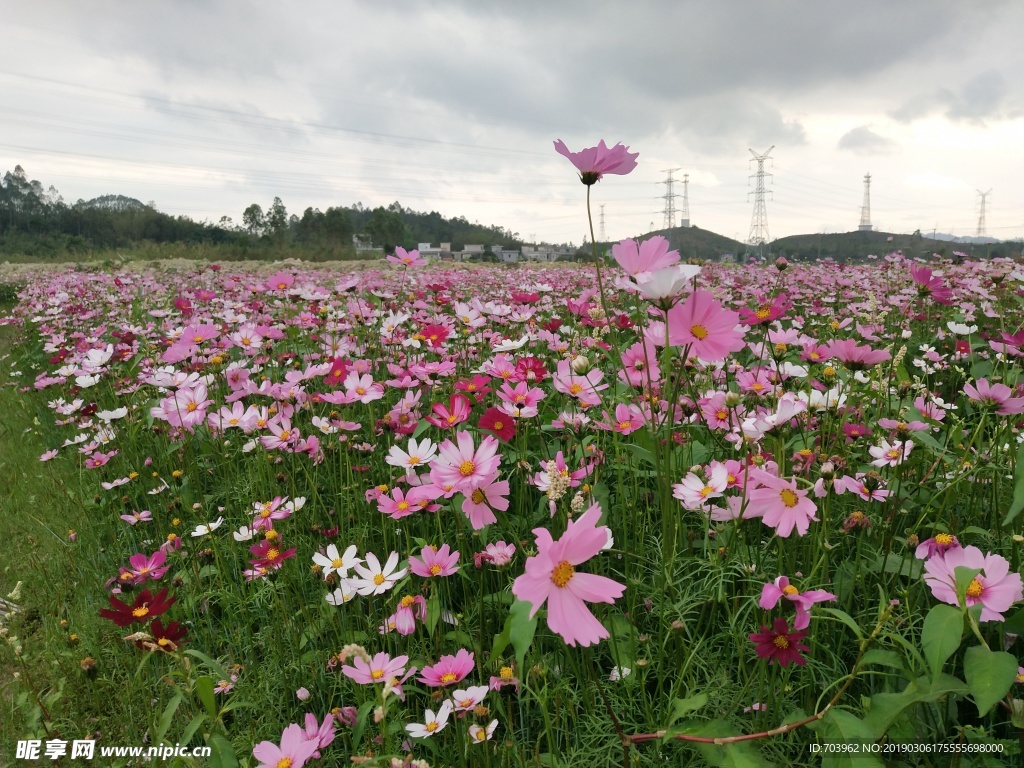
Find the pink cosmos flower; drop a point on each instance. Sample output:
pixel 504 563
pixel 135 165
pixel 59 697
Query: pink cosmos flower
pixel 857 358
pixel 703 325
pixel 435 562
pixel 995 587
pixel 403 620
pixel 144 516
pixel 380 669
pixel 927 285
pixel 480 502
pixel 594 162
pixel 48 455
pixel 998 396
pixel 499 553
pixel 321 734
pixel 551 577
pixel 628 419
pixel 142 568
pixel 408 258
pixel 295 749
pixel 886 455
pixel 696 493
pixel 464 466
pixel 640 365
pixel 780 504
pixel 448 670
pixel 772 592
pixel 456 412
pixel 640 259
pixel 938 544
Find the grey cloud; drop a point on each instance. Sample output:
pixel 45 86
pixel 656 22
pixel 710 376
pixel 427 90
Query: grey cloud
pixel 985 96
pixel 863 140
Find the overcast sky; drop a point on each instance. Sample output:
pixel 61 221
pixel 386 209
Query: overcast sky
pixel 204 107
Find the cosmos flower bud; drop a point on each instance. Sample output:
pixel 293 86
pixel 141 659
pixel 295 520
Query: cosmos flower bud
pixel 580 364
pixel 732 399
pixel 828 470
pixel 781 263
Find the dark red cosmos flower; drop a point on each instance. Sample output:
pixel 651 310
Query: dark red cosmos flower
pixel 525 298
pixel 165 639
pixel 146 606
pixel 434 335
pixel 338 373
pixel 530 369
pixel 779 644
pixel 477 387
pixel 552 325
pixel 499 423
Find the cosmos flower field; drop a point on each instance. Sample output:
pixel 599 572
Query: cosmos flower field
pixel 434 515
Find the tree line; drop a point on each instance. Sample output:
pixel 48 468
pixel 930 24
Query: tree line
pixel 36 221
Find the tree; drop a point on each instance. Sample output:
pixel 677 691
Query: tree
pixel 386 228
pixel 277 220
pixel 252 219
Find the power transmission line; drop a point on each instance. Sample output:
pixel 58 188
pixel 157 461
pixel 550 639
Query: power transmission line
pixel 758 237
pixel 981 216
pixel 685 210
pixel 865 209
pixel 670 200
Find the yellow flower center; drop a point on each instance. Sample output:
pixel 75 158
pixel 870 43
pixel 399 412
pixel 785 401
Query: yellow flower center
pixel 141 611
pixel 789 589
pixel 163 642
pixel 789 498
pixel 285 434
pixel 698 332
pixel 406 601
pixel 706 491
pixel 432 726
pixel 781 642
pixel 377 674
pixel 414 460
pixel 378 579
pixel 467 468
pixel 191 407
pixel 763 312
pixel 284 762
pixel 336 563
pixel 480 735
pixel 575 388
pixel 562 574
pixel 466 703
pixel 435 569
pixel 829 371
pixel 625 424
pixel 273 554
pixel 721 414
pixel 506 674
pixel 403 505
pixel 975 588
pixel 448 677
pixel 944 539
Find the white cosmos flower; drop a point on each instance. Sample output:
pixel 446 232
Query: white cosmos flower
pixel 108 416
pixel 245 533
pixel 478 734
pixel 203 530
pixel 420 454
pixel 961 329
pixel 375 580
pixel 432 724
pixel 86 381
pixel 333 562
pixel 342 594
pixel 668 282
pixel 507 345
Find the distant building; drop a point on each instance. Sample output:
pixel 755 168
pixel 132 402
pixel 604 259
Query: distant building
pixel 443 252
pixel 546 252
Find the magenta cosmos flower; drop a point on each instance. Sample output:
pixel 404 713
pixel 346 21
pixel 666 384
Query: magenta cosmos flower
pixel 998 396
pixel 294 751
pixel 595 162
pixel 703 325
pixel 448 670
pixel 782 589
pixel 551 577
pixel 995 587
pixel 780 645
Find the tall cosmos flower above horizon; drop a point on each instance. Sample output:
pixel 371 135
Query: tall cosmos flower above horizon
pixel 551 577
pixel 594 162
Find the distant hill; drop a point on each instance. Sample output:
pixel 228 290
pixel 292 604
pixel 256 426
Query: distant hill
pixel 696 243
pixel 112 203
pixel 855 246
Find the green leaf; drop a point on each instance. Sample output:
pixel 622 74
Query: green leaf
pixel 964 577
pixel 989 675
pixel 362 720
pixel 1018 488
pixel 168 715
pixel 222 754
pixel 215 666
pixel 204 690
pixel 881 658
pixel 840 725
pixel 433 612
pixel 940 636
pixel 737 754
pixel 886 708
pixel 190 729
pixel 846 619
pixel 682 707
pixel 522 629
